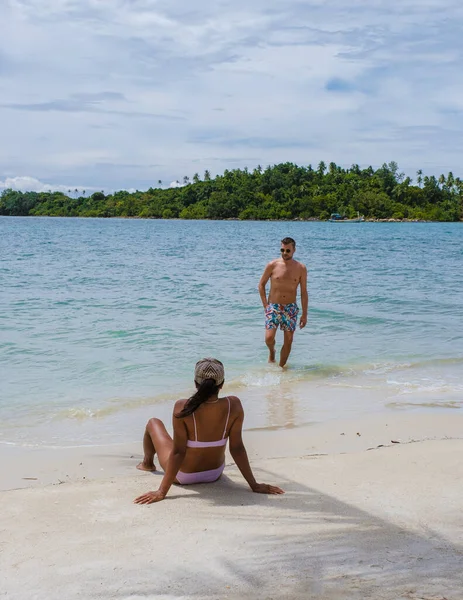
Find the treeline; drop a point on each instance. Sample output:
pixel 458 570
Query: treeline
pixel 284 191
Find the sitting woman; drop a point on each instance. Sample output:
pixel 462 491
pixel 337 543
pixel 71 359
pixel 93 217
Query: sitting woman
pixel 202 425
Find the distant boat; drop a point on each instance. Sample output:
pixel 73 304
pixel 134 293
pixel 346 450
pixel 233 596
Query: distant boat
pixel 337 218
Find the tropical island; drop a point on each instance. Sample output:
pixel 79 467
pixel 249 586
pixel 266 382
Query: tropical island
pixel 280 192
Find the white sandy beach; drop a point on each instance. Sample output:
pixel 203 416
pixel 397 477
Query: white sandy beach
pixel 357 520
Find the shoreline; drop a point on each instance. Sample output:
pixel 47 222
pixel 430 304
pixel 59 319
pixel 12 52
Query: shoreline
pixel 362 518
pixel 295 220
pixel 273 400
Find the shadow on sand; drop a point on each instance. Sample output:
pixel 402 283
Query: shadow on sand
pixel 330 550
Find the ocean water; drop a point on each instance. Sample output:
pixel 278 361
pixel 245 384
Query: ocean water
pixel 102 321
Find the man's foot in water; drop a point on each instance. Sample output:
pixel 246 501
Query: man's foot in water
pixel 146 466
pixel 271 356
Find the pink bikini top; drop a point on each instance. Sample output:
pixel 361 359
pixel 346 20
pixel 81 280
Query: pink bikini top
pixel 195 444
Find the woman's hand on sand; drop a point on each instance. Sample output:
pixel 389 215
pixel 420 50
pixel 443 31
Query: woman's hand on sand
pixel 265 488
pixel 150 497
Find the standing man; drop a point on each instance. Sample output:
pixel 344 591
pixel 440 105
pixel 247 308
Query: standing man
pixel 281 310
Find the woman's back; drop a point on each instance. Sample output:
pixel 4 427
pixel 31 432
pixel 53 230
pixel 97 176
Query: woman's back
pixel 207 432
pixel 196 443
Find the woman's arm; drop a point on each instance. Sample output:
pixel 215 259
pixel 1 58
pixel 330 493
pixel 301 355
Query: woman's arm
pixel 240 456
pixel 174 462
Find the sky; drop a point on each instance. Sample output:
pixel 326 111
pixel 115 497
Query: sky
pixel 121 94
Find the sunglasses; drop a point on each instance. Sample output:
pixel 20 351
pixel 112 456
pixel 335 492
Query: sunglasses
pixel 283 250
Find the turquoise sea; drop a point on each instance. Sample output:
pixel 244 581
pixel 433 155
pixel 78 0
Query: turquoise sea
pixel 102 321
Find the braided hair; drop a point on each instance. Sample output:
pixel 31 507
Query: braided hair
pixel 209 378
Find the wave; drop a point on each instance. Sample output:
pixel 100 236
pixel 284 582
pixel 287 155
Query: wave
pixel 432 386
pixel 435 404
pixel 271 375
pixel 113 406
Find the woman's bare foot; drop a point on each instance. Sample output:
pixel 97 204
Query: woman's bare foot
pixel 146 467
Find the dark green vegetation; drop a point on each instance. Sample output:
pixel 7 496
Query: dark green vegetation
pixel 284 191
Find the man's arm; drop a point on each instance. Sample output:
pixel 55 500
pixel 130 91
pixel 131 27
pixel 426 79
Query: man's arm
pixel 304 297
pixel 263 282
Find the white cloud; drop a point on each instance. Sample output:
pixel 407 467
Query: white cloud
pixel 120 94
pixel 30 184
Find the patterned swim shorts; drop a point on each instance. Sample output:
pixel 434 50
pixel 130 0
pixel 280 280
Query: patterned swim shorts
pixel 281 315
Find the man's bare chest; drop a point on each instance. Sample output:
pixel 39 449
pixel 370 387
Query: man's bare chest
pixel 285 276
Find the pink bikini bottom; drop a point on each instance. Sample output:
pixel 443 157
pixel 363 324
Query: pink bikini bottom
pixel 200 477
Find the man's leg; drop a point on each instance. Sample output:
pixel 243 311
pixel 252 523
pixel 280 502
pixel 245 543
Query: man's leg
pixel 271 326
pixel 286 348
pixel 155 441
pixel 270 341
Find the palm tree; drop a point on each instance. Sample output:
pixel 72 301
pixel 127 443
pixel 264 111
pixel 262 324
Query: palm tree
pixel 196 178
pixel 442 179
pixel 186 179
pixel 321 168
pixel 207 175
pixel 160 182
pixel 419 178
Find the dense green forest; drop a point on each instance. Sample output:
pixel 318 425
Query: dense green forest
pixel 284 191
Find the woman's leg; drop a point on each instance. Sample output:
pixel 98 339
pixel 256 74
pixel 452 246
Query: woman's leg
pixel 155 441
